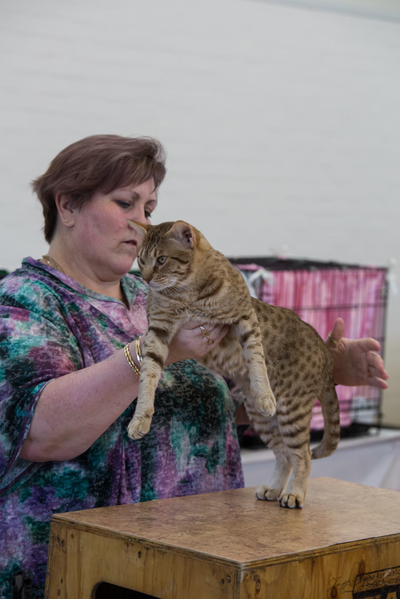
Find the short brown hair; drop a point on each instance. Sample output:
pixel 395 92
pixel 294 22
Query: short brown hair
pixel 97 163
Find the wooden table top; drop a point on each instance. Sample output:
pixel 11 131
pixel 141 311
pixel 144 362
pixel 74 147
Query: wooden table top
pixel 235 527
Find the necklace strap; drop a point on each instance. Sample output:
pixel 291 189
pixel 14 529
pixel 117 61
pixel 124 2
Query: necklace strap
pixel 51 262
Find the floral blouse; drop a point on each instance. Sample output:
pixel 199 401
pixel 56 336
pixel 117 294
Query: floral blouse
pixel 50 325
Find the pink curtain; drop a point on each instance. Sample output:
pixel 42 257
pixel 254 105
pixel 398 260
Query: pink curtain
pixel 319 296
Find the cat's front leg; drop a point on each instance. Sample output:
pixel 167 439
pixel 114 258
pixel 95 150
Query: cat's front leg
pixel 155 351
pixel 295 493
pixel 249 336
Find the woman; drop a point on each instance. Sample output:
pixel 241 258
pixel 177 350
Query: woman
pixel 67 384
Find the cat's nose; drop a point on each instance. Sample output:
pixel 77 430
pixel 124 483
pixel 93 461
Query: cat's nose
pixel 147 277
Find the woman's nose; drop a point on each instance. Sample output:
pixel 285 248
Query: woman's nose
pixel 140 217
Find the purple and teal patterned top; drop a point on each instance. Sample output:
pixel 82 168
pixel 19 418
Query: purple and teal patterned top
pixel 50 325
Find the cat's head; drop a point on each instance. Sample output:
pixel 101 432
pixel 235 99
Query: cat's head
pixel 167 252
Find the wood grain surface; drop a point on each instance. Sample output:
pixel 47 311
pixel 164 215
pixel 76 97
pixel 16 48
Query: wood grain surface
pixel 234 527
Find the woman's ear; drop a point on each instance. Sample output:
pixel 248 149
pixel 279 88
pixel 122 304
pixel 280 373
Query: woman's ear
pixel 65 210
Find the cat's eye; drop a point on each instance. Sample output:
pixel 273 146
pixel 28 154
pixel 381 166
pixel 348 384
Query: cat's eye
pixel 140 260
pixel 161 259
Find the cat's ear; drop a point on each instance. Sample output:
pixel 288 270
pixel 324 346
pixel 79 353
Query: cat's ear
pixel 140 228
pixel 183 233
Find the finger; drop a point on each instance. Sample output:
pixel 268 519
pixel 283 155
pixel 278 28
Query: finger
pixel 367 344
pixel 338 329
pixel 377 382
pixel 376 366
pixel 215 329
pixel 221 333
pixel 216 338
pixel 211 331
pixel 208 328
pixel 211 334
pixel 377 374
pixel 192 324
pixel 196 324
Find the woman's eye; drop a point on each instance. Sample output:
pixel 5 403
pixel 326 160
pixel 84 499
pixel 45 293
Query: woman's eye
pixel 123 204
pixel 161 259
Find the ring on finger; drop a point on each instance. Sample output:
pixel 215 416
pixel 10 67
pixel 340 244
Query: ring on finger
pixel 206 334
pixel 331 338
pixel 204 331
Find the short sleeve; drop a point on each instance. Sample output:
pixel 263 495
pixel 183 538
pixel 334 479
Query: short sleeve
pixel 36 346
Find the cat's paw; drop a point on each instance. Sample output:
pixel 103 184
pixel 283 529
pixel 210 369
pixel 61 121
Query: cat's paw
pixel 265 404
pixel 265 493
pixel 139 427
pixel 291 500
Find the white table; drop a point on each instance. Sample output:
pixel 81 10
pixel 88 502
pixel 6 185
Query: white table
pixel 373 460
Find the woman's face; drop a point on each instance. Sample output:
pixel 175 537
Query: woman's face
pixel 101 234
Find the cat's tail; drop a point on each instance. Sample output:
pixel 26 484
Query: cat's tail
pixel 330 410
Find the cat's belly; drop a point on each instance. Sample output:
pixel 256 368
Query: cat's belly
pixel 227 359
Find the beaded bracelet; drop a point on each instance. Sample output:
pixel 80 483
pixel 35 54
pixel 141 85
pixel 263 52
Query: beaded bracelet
pixel 131 363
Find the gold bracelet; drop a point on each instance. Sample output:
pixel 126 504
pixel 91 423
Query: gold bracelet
pixel 131 363
pixel 138 350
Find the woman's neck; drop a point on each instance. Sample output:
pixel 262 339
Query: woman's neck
pixel 84 275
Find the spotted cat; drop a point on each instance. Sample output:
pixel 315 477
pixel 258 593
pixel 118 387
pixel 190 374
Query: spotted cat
pixel 279 362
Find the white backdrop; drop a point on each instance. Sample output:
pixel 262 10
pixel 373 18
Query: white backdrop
pixel 372 461
pixel 281 122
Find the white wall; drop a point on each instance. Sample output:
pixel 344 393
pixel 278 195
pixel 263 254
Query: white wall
pixel 281 123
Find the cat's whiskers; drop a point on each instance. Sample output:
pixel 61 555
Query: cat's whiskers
pixel 177 290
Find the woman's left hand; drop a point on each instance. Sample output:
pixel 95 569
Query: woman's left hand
pixel 355 361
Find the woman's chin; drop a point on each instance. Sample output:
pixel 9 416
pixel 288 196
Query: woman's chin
pixel 123 266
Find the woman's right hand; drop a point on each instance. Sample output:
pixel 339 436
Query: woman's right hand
pixel 191 342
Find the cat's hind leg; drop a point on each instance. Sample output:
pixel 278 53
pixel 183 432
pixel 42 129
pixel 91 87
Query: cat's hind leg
pixel 294 427
pixel 295 493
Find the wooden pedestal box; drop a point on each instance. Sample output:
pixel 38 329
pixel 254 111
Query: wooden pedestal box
pixel 345 543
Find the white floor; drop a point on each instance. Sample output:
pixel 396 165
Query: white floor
pixel 372 460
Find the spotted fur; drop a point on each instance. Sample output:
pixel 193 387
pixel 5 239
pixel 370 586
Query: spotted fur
pixel 268 351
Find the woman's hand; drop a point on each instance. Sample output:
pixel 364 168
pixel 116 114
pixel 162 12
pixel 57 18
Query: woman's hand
pixel 355 361
pixel 193 340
